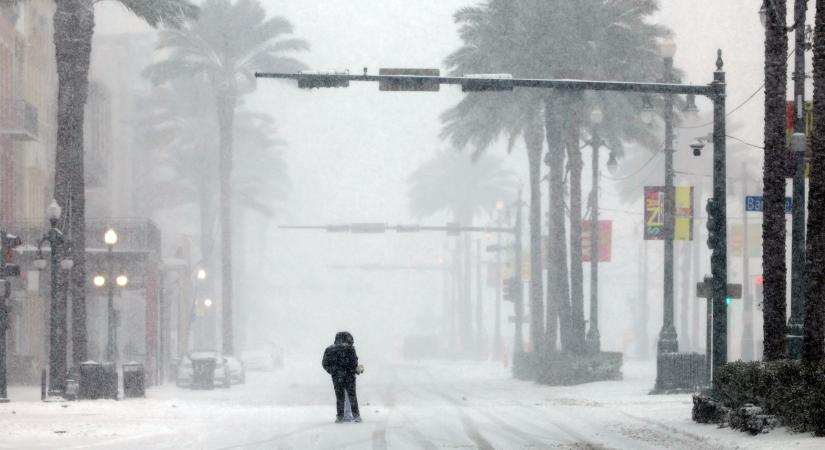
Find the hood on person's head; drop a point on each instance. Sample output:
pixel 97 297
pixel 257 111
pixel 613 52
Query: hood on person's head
pixel 343 337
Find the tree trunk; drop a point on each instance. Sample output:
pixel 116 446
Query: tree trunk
pixel 226 104
pixel 773 225
pixel 558 289
pixel 813 332
pixel 73 30
pixel 533 141
pixel 574 158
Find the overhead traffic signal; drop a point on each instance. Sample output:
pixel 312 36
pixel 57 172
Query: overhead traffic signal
pixel 713 224
pixel 512 289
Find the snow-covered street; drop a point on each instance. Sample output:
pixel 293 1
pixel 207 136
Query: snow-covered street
pixel 404 405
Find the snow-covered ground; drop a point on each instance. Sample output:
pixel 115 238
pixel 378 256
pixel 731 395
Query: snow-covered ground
pixel 404 405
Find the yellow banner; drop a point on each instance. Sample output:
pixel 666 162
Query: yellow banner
pixel 683 227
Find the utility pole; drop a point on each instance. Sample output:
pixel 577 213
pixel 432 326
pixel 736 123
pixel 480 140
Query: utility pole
pixel 668 341
pixel 747 301
pixel 479 302
pixel 697 266
pixel 798 218
pixel 497 326
pixel 518 341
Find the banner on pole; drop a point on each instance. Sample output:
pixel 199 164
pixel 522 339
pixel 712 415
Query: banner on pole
pixel 655 215
pixel 736 241
pixel 605 230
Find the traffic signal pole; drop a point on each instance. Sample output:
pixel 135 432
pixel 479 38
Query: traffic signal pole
pixel 715 91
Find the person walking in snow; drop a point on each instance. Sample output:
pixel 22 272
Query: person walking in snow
pixel 341 362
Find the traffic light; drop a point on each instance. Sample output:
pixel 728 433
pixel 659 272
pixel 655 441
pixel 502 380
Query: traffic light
pixel 323 80
pixel 713 224
pixel 512 289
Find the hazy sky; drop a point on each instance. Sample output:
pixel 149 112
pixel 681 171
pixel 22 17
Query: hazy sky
pixel 350 151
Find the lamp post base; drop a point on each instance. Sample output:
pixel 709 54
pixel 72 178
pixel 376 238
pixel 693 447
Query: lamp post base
pixel 668 341
pixel 593 341
pixel 794 336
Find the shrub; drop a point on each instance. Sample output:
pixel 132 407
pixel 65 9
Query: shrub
pixel 792 391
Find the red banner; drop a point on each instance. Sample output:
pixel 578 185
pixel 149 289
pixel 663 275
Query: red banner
pixel 605 240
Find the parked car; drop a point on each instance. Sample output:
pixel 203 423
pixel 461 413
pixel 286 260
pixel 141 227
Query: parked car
pixel 185 368
pixel 237 370
pixel 258 360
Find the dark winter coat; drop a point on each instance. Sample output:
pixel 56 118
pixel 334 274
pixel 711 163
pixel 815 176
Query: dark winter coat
pixel 340 359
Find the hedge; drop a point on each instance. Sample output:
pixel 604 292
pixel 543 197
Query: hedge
pixel 792 391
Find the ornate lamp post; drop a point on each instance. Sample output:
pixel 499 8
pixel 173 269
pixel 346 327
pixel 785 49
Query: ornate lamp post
pixel 59 247
pixel 110 280
pixel 593 338
pixel 668 341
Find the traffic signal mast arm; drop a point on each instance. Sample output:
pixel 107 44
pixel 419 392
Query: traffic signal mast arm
pixel 315 80
pixel 376 228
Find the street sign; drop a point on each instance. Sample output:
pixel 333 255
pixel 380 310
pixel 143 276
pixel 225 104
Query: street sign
pixel 704 289
pixel 756 203
pixel 426 85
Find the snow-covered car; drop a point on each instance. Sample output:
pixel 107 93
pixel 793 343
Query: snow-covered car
pixel 258 360
pixel 237 370
pixel 186 368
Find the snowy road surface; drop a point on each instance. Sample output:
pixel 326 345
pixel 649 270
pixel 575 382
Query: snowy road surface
pixel 404 405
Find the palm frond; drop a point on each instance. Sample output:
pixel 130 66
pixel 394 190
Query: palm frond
pixel 170 13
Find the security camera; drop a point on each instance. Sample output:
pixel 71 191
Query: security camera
pixel 697 147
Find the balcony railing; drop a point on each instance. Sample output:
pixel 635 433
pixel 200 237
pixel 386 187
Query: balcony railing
pixel 18 119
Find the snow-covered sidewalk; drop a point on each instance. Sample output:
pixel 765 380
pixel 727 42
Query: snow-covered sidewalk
pixel 405 405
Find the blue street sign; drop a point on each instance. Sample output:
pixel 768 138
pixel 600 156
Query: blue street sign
pixel 755 203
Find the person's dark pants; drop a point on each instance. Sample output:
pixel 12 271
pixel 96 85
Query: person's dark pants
pixel 341 386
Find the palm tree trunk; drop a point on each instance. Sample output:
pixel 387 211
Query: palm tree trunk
pixel 73 30
pixel 773 225
pixel 574 160
pixel 226 117
pixel 534 142
pixel 814 325
pixel 558 289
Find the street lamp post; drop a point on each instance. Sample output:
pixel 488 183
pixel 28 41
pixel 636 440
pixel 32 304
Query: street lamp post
pixel 497 344
pixel 593 338
pixel 668 341
pixel 110 280
pixel 57 322
pixel 110 238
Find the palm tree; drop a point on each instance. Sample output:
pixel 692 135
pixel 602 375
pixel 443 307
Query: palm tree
pixel 814 325
pixel 553 39
pixel 74 22
pixel 466 189
pixel 229 42
pixel 773 181
pixel 182 138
